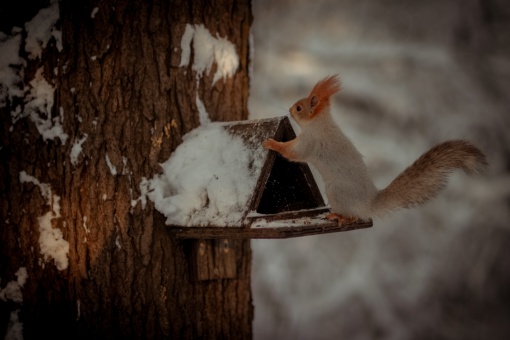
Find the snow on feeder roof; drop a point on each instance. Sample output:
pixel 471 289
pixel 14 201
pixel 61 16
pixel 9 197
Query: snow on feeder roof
pixel 221 183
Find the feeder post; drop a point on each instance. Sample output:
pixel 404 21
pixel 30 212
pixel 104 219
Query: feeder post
pixel 214 259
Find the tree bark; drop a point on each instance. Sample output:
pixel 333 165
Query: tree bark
pixel 119 84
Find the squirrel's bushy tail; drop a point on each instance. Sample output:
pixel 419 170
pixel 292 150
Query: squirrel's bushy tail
pixel 428 175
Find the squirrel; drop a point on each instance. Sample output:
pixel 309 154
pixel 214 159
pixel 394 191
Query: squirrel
pixel 351 192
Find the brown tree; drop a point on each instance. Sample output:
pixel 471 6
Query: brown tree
pixel 121 91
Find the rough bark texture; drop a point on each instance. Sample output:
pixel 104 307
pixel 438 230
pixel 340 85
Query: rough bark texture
pixel 119 82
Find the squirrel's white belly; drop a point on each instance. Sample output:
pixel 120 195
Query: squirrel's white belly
pixel 349 188
pixel 347 198
pixel 349 192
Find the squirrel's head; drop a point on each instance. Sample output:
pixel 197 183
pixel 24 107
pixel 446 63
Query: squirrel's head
pixel 308 108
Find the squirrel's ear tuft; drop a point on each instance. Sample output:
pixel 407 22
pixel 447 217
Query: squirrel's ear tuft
pixel 322 91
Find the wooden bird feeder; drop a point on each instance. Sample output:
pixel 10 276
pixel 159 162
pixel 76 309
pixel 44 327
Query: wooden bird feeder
pixel 284 202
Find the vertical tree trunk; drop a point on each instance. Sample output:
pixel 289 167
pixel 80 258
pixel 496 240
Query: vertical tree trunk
pixel 125 97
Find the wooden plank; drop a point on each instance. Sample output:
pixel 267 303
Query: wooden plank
pixel 265 232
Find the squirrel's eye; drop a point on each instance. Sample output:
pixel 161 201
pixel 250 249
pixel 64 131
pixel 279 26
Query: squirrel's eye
pixel 298 108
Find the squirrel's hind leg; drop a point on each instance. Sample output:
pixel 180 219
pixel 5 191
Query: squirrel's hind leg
pixel 341 219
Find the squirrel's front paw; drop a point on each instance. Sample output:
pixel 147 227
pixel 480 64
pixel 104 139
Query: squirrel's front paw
pixel 269 144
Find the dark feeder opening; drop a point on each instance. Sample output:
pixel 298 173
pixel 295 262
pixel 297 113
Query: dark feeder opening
pixel 286 189
pixel 290 186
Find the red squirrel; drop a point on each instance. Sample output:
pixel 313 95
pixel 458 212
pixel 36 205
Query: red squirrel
pixel 351 192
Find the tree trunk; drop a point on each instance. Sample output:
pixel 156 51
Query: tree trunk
pixel 125 97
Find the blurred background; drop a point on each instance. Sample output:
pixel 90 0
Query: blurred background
pixel 414 73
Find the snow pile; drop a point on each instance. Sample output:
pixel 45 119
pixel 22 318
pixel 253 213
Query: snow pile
pixel 12 292
pixel 207 50
pixel 51 240
pixel 208 180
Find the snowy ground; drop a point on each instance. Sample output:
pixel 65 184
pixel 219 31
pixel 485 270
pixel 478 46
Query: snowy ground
pixel 414 73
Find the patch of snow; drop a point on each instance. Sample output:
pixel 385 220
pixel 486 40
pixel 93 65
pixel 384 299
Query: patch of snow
pixel 289 223
pixel 57 34
pixel 186 39
pixel 38 106
pixel 16 114
pixel 112 168
pixel 22 276
pixel 51 240
pixel 15 327
pixel 203 116
pixel 94 12
pixel 45 188
pixel 41 29
pixel 78 306
pixel 76 150
pixel 124 163
pixel 117 242
pixel 11 68
pixel 191 194
pixel 144 189
pixel 39 94
pixel 87 230
pixel 207 50
pixel 12 291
